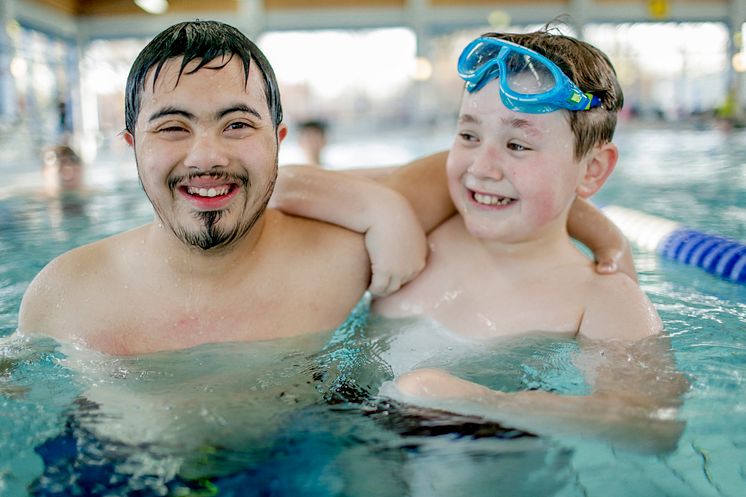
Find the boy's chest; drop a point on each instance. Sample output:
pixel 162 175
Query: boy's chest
pixel 478 301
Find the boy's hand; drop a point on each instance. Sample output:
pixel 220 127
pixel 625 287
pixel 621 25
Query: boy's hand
pixel 394 237
pixel 397 249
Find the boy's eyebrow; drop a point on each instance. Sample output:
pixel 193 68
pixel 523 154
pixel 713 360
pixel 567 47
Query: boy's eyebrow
pixel 523 124
pixel 175 111
pixel 468 118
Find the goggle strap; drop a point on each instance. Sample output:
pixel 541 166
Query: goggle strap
pixel 593 101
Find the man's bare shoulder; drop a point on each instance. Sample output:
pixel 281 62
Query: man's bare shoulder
pixel 307 236
pixel 617 308
pixel 73 277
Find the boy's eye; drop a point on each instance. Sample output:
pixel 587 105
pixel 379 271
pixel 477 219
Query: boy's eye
pixel 517 147
pixel 467 136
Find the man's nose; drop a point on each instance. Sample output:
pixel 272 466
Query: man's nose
pixel 207 152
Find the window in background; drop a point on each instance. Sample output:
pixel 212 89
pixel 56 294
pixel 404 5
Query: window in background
pixel 668 71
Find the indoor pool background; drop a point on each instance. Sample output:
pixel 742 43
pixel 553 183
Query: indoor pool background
pixel 300 416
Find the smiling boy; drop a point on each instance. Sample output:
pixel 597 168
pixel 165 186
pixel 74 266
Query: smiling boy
pixel 534 133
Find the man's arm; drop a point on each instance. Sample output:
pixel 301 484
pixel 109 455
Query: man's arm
pixel 636 393
pixel 590 226
pixel 586 223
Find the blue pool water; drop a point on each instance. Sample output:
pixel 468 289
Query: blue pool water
pixel 302 417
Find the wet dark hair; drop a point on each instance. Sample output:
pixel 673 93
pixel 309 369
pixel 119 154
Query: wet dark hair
pixel 316 124
pixel 590 69
pixel 197 40
pixel 62 152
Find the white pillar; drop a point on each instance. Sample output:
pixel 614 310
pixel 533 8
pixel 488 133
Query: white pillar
pixel 8 104
pixel 251 18
pixel 579 13
pixel 737 18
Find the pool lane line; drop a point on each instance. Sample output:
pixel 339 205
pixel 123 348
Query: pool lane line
pixel 724 257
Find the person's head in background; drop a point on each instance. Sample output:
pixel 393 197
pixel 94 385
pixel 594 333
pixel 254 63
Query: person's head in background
pixel 312 140
pixel 62 170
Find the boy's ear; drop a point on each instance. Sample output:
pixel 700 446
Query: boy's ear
pixel 129 138
pixel 601 163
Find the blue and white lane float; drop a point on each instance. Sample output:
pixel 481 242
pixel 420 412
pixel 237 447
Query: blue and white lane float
pixel 724 257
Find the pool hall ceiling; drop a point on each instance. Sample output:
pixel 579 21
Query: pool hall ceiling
pixel 85 20
pixel 128 7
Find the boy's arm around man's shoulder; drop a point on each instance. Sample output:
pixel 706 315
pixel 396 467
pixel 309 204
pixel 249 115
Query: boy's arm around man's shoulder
pixel 391 214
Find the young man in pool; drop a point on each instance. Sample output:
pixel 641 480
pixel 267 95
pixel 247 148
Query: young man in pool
pixel 215 265
pixel 534 132
pixel 204 118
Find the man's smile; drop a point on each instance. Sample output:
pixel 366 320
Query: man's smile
pixel 209 192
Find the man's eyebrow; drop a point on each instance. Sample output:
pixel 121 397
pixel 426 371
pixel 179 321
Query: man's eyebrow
pixel 170 111
pixel 238 108
pixel 175 111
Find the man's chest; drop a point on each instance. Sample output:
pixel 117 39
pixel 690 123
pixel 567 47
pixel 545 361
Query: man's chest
pixel 149 322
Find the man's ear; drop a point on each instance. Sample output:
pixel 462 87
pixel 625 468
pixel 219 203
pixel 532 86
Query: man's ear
pixel 601 162
pixel 129 138
pixel 282 132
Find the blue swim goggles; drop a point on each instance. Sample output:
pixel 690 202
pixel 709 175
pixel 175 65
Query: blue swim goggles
pixel 529 82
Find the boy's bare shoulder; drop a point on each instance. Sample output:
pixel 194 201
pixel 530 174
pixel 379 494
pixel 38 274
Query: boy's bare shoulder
pixel 617 308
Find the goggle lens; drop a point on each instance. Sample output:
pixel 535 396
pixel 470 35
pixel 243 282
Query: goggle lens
pixel 530 83
pixel 526 75
pixel 478 56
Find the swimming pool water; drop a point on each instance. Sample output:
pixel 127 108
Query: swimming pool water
pixel 301 416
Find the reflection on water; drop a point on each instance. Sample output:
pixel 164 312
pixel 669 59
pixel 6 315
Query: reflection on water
pixel 296 416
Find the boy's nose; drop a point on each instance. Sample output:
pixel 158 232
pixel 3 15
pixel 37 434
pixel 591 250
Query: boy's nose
pixel 206 152
pixel 487 164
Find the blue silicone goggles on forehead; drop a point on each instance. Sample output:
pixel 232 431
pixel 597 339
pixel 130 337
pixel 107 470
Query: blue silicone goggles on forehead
pixel 529 82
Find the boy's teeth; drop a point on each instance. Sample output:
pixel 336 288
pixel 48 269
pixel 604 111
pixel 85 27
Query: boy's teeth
pixel 208 192
pixel 491 199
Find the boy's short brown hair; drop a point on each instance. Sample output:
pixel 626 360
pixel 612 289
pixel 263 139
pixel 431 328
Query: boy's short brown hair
pixel 590 69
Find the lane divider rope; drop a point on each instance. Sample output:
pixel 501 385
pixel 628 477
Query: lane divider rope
pixel 724 257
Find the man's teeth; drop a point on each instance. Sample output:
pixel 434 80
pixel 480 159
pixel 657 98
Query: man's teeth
pixel 208 192
pixel 491 199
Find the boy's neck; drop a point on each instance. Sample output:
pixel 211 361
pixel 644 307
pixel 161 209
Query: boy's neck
pixel 548 247
pixel 553 241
